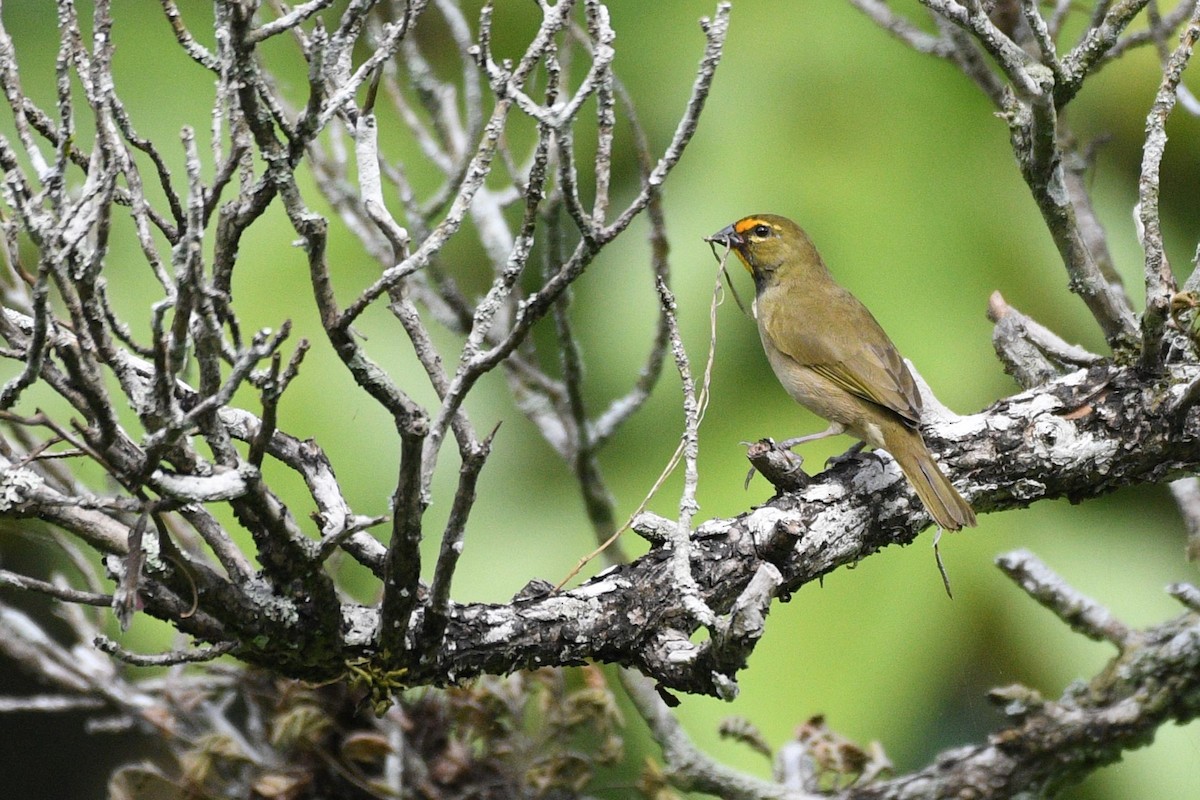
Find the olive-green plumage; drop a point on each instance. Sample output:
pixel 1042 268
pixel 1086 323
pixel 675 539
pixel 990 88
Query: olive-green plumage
pixel 833 358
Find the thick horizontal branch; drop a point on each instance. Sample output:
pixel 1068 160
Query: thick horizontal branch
pixel 1080 436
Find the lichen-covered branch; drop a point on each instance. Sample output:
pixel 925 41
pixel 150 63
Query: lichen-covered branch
pixel 1160 282
pixel 1031 86
pixel 1064 439
pixel 1049 744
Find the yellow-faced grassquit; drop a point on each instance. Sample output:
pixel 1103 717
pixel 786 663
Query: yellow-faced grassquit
pixel 834 359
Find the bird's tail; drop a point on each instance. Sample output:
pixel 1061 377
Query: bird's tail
pixel 943 502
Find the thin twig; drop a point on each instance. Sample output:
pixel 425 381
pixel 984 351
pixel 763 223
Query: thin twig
pixel 1083 614
pixel 454 540
pixel 167 659
pixel 687 765
pixel 64 593
pixel 694 414
pixel 1160 282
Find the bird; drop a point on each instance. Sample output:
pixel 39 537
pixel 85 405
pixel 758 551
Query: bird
pixel 833 357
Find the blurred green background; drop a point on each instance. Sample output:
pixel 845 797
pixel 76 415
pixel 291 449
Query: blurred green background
pixel 903 176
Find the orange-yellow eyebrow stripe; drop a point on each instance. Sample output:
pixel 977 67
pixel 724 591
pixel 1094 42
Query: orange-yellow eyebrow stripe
pixel 749 222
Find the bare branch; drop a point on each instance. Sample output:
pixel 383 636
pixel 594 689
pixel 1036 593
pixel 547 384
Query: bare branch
pixel 690 768
pixel 1100 37
pixel 64 593
pixel 1082 614
pixel 1050 744
pixel 1030 352
pixel 1017 65
pixel 903 29
pixel 1160 282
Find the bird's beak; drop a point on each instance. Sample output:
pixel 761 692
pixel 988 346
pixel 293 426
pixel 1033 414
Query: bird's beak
pixel 730 238
pixel 727 236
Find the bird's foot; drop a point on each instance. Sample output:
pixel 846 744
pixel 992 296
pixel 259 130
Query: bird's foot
pixel 853 453
pixel 834 429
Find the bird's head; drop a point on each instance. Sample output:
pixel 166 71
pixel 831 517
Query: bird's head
pixel 769 246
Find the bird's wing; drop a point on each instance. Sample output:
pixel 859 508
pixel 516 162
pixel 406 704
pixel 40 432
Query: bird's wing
pixel 879 374
pixel 864 361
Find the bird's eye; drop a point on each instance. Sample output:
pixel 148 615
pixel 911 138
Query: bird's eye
pixel 761 231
